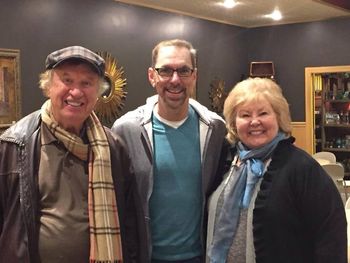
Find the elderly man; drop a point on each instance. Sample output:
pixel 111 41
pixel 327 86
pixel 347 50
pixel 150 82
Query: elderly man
pixel 175 143
pixel 66 188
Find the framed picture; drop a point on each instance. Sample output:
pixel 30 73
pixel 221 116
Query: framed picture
pixel 10 101
pixel 263 69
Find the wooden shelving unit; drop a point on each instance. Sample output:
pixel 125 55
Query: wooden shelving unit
pixel 331 111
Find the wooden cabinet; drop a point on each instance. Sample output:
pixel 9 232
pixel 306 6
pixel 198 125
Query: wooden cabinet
pixel 329 111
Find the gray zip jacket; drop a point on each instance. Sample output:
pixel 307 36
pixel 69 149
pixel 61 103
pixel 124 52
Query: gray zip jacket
pixel 135 128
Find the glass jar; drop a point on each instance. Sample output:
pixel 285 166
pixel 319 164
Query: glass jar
pixel 347 141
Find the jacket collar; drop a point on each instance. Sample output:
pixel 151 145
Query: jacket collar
pixel 21 131
pixel 202 111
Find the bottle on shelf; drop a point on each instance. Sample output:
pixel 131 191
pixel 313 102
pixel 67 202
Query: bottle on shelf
pixel 341 117
pixel 334 91
pixel 347 141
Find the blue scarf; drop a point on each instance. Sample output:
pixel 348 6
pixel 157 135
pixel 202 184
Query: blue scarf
pixel 237 194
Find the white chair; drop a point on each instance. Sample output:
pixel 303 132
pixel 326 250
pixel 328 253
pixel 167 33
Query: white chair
pixel 324 157
pixel 347 205
pixel 336 172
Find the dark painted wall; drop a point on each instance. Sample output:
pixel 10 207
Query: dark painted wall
pixel 37 27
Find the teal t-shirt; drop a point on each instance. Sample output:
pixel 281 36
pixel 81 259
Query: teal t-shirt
pixel 176 201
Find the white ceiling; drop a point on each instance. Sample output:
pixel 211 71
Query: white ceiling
pixel 248 13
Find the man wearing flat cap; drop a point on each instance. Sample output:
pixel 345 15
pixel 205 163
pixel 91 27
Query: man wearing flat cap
pixel 67 189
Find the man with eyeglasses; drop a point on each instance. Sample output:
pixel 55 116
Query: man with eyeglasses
pixel 175 144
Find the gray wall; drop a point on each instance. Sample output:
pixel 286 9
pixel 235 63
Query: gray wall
pixel 294 47
pixel 37 27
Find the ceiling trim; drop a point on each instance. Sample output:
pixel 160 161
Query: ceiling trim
pixel 341 4
pixel 248 13
pixel 173 11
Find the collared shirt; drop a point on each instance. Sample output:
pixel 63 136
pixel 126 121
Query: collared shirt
pixel 63 187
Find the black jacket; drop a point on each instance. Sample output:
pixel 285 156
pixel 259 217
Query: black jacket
pixel 298 213
pixel 19 195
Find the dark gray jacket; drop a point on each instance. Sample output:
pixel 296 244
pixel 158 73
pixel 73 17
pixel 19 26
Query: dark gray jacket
pixel 19 195
pixel 135 128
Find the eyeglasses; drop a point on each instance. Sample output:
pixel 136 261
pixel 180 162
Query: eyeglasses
pixel 167 72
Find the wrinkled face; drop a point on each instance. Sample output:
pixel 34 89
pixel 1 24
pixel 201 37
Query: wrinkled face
pixel 174 91
pixel 73 93
pixel 256 123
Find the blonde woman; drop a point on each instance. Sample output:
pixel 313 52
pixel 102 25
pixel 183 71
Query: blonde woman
pixel 276 203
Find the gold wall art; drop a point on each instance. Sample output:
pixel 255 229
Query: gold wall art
pixel 111 102
pixel 217 95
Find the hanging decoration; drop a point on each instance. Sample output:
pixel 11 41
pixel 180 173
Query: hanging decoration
pixel 217 95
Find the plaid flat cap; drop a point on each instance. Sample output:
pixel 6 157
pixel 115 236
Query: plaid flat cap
pixel 77 52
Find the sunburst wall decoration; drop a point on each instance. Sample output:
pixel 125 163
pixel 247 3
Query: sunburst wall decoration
pixel 111 101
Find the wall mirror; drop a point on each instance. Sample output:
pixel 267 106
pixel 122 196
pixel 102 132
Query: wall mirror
pixel 111 102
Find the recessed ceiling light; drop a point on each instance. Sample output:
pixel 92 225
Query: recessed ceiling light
pixel 275 15
pixel 229 3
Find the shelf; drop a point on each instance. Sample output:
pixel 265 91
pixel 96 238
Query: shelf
pixel 330 116
pixel 338 101
pixel 337 125
pixel 336 149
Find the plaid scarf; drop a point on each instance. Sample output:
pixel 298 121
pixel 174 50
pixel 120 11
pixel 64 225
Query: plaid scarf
pixel 105 240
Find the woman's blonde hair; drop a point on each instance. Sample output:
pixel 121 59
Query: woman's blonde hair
pixel 253 90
